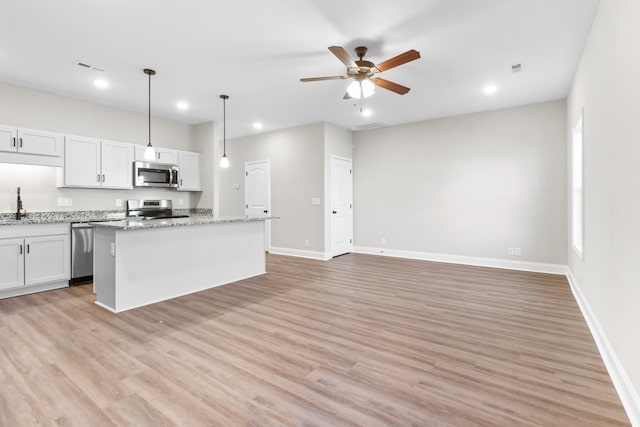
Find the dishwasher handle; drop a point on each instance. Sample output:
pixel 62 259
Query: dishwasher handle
pixel 82 225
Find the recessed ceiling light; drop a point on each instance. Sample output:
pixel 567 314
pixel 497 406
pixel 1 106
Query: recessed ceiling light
pixel 366 112
pixel 102 84
pixel 257 125
pixel 490 90
pixel 182 105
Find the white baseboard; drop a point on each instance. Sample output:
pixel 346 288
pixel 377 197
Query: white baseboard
pixel 467 260
pixel 628 394
pixel 24 290
pixel 323 256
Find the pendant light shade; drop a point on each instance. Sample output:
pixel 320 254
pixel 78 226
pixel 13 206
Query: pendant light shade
pixel 149 152
pixel 224 161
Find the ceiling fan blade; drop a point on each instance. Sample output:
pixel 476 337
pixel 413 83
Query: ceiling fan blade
pixel 343 56
pixel 393 87
pixel 315 79
pixel 403 58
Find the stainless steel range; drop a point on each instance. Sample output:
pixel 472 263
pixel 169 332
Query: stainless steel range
pixel 151 209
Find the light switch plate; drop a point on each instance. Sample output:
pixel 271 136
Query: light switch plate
pixel 315 201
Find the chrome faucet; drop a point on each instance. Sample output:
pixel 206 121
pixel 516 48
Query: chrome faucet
pixel 19 211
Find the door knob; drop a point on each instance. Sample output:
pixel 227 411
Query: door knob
pixel 335 212
pixel 266 211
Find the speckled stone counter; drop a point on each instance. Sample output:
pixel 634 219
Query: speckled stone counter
pixel 129 224
pixel 9 218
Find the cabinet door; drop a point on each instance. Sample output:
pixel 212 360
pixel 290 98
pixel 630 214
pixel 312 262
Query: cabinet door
pixel 8 140
pixel 82 162
pixel 117 164
pixel 38 142
pixel 46 259
pixel 189 171
pixel 166 155
pixel 11 263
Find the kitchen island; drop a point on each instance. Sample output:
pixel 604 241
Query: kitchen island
pixel 140 262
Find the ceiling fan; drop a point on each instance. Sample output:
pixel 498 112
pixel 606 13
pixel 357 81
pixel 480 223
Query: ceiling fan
pixel 363 72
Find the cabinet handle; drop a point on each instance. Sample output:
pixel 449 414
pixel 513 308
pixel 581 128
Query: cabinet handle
pixel 20 142
pixel 20 249
pixel 28 248
pixel 14 142
pixel 180 182
pixel 98 178
pixel 102 178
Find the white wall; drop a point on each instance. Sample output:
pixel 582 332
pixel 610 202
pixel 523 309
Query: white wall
pixel 206 140
pixel 607 85
pixel 469 186
pixel 38 110
pixel 297 169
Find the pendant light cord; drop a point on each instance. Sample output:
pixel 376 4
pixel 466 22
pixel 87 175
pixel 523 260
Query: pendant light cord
pixel 224 124
pixel 149 108
pixel 149 72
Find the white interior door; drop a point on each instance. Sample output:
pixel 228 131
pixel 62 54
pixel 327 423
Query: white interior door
pixel 341 206
pixel 258 193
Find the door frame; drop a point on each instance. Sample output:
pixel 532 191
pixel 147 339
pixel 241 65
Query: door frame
pixel 330 207
pixel 267 223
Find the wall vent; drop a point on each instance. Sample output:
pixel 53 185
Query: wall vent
pixel 90 67
pixel 368 126
pixel 516 68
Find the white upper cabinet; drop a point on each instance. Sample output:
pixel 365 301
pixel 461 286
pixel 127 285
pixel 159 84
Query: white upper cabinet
pixel 8 138
pixel 92 163
pixel 29 146
pixel 189 164
pixel 161 155
pixel 117 164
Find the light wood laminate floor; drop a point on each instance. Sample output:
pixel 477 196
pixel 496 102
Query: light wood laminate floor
pixel 358 340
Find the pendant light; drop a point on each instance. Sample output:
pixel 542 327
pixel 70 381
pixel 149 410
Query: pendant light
pixel 224 161
pixel 149 152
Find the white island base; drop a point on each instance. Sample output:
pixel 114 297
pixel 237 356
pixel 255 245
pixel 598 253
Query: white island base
pixel 134 267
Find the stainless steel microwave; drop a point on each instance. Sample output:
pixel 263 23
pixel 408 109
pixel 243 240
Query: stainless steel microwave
pixel 146 174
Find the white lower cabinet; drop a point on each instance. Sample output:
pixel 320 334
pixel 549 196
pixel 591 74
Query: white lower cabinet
pixel 33 255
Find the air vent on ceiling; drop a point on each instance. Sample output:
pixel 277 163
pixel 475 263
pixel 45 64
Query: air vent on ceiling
pixel 516 68
pixel 368 126
pixel 90 67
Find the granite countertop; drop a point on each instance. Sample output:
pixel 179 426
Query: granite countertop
pixel 129 224
pixel 7 218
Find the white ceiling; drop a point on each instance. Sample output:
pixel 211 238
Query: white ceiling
pixel 256 50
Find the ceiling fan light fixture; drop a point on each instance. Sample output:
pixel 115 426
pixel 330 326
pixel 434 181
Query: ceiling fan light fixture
pixel 361 89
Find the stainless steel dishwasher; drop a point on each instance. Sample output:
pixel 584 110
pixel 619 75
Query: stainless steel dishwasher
pixel 81 253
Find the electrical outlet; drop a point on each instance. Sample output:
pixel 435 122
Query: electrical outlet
pixel 383 241
pixel 181 202
pixel 518 252
pixel 512 251
pixel 118 203
pixel 306 243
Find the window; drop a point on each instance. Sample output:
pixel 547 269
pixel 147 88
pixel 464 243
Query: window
pixel 576 186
